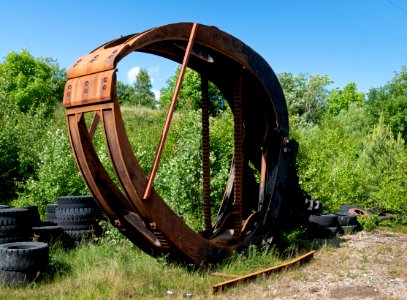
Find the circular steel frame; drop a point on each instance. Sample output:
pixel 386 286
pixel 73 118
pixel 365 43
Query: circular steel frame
pixel 149 222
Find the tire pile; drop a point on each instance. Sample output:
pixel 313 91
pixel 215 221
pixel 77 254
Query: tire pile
pixel 329 225
pixel 14 225
pixel 24 238
pixel 21 262
pixel 78 216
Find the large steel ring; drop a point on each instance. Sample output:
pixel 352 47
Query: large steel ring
pixel 250 210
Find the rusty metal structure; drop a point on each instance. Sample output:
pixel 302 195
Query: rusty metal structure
pixel 252 212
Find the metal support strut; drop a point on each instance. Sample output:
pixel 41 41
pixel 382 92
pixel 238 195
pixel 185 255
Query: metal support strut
pixel 170 113
pixel 206 155
pixel 238 156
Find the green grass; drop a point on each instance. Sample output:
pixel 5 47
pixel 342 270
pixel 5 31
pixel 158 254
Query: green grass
pixel 113 268
pixel 122 271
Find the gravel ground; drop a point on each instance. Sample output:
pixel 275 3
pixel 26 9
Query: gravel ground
pixel 366 265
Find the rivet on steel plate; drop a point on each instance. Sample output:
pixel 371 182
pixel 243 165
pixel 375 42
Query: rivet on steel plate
pixel 77 62
pixel 86 91
pixel 104 87
pixel 86 83
pixel 105 79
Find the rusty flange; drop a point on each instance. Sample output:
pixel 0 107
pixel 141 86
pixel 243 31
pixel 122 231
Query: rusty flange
pixel 250 211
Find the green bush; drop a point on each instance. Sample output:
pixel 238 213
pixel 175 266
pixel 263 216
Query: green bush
pixel 348 161
pixel 9 165
pixel 56 173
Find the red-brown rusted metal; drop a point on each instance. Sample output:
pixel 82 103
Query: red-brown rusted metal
pixel 250 277
pixel 250 212
pixel 170 113
pixel 238 155
pixel 206 170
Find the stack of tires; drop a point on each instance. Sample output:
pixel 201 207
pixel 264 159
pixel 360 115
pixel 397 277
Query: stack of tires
pixel 79 217
pixel 21 262
pixel 329 225
pixel 51 217
pixel 49 233
pixel 348 222
pixel 15 224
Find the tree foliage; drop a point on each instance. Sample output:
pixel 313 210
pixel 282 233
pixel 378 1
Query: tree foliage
pixel 348 160
pixel 341 99
pixel 391 102
pixel 27 83
pixel 143 94
pixel 125 93
pixel 190 94
pixel 30 90
pixel 140 93
pixel 306 96
pixel 351 151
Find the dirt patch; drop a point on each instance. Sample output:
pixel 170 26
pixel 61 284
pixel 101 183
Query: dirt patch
pixel 366 265
pixel 353 291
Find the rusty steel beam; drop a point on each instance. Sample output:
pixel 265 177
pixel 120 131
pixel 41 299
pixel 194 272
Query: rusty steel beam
pixel 216 288
pixel 250 212
pixel 170 113
pixel 206 170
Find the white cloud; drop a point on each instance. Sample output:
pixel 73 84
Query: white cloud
pixel 156 69
pixel 156 94
pixel 151 71
pixel 132 74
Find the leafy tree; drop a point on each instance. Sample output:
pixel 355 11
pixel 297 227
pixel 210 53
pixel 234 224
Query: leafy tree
pixel 346 160
pixel 190 94
pixel 30 89
pixel 125 93
pixel 27 83
pixel 341 99
pixel 9 165
pixel 142 90
pixel 383 166
pixel 391 102
pixel 306 96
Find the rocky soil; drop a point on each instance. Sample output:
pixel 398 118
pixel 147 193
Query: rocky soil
pixel 366 265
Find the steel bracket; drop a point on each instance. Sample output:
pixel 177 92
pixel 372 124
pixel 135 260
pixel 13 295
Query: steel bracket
pixel 90 89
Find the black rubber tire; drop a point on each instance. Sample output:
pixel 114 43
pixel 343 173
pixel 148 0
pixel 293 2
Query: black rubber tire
pixel 51 207
pixel 33 215
pixel 345 219
pixel 349 229
pixel 81 235
pixel 51 217
pixel 6 240
pixel 13 216
pixel 17 279
pixel 325 220
pixel 76 201
pixel 94 226
pixel 322 232
pixel 24 256
pixel 75 221
pixel 48 223
pixel 46 229
pixel 10 230
pixel 76 213
pixel 48 234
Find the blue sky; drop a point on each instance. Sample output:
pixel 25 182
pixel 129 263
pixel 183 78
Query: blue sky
pixel 364 41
